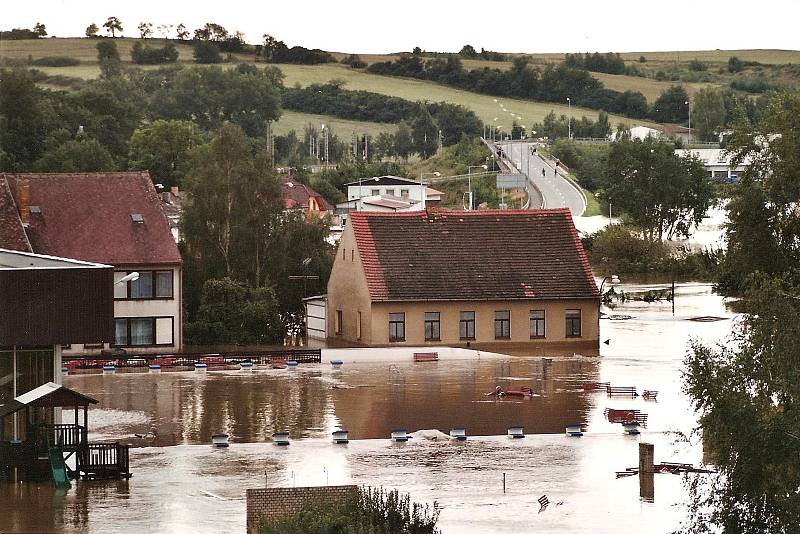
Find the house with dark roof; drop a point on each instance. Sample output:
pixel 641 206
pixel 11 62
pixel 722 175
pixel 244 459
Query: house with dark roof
pixel 114 219
pixel 495 278
pixel 299 196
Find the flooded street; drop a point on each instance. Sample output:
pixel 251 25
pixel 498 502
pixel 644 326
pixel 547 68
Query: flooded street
pixel 181 484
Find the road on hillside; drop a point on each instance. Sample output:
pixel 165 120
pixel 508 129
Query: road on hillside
pixel 557 191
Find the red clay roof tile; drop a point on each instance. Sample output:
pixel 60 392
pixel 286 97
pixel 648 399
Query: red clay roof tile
pixel 87 216
pixel 472 255
pixel 12 234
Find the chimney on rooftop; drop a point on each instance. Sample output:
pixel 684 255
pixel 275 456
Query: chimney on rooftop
pixel 24 202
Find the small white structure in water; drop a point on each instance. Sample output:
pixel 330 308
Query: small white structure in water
pixel 516 432
pixel 631 427
pixel 220 440
pixel 109 368
pixel 280 438
pixel 154 368
pixel 65 371
pixel 246 365
pixel 291 363
pixel 337 363
pixel 200 366
pixel 340 437
pixel 400 435
pixel 459 434
pixel 574 430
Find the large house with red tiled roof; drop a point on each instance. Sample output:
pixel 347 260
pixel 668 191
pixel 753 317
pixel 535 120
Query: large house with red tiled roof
pixel 107 218
pixel 299 196
pixel 498 278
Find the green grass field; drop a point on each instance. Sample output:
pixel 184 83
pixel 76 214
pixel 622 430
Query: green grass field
pixel 291 120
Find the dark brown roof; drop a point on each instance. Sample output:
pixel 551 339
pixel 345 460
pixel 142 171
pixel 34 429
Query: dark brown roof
pixel 473 255
pixel 12 234
pixel 297 195
pixel 90 217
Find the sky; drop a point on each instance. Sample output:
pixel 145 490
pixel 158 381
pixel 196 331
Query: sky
pixel 446 25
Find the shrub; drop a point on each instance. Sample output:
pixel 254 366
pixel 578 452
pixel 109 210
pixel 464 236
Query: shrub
pixel 642 59
pixel 697 66
pixel 206 52
pixel 735 64
pixel 752 85
pixel 354 61
pixel 56 61
pixel 149 55
pixel 369 511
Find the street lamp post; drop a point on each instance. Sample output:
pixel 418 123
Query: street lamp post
pixel 689 105
pixel 469 181
pixel 614 279
pixel 424 187
pixel 569 118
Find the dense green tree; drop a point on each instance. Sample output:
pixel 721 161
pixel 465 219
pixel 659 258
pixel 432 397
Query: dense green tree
pixel 746 393
pixel 232 312
pixel 206 52
pixel 708 113
pixel 112 26
pixel 40 30
pixel 468 51
pixel 76 155
pixel 403 142
pixel 92 30
pixel 246 96
pixel 181 32
pixel 661 193
pixel 672 106
pixel 145 29
pixel 424 132
pixel 735 64
pixel 108 57
pixel 153 55
pixel 164 148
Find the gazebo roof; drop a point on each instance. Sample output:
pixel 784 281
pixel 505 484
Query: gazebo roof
pixel 49 395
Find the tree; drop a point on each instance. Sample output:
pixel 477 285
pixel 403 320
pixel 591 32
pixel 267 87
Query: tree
pixel 145 29
pixel 182 32
pixel 746 393
pixel 709 113
pixel 247 96
pixel 39 29
pixel 661 193
pixel 153 55
pixel 110 62
pixel 22 120
pixel 91 30
pixel 232 312
pixel 164 149
pixel 206 52
pixel 468 51
pixel 403 143
pixel 671 106
pixel 417 51
pixel 735 64
pixel 76 155
pixel 112 26
pixel 424 132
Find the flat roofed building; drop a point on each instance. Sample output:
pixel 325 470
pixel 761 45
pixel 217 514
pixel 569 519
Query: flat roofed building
pixel 112 218
pixel 484 278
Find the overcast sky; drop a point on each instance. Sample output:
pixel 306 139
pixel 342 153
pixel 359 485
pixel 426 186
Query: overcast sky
pixel 445 25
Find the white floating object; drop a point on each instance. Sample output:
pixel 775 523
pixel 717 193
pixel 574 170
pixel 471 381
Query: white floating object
pixel 336 363
pixel 109 368
pixel 340 437
pixel 574 430
pixel 459 434
pixel 200 366
pixel 400 435
pixel 291 363
pixel 65 371
pixel 516 432
pixel 631 427
pixel 246 366
pixel 154 368
pixel 220 440
pixel 280 438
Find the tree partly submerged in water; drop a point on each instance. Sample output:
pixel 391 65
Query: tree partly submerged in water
pixel 367 511
pixel 747 393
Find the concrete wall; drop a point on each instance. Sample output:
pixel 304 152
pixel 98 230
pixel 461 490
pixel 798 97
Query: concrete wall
pixel 449 314
pixel 347 291
pixel 272 503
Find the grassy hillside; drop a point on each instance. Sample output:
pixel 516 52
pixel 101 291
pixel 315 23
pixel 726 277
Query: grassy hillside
pixel 291 120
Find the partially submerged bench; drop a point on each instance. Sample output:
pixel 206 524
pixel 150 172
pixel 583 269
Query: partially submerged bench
pixel 426 356
pixel 622 391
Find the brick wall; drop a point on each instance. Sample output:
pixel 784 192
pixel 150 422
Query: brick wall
pixel 271 503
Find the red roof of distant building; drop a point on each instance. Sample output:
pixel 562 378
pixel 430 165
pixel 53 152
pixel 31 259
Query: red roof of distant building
pixel 473 255
pixel 299 195
pixel 113 218
pixel 12 234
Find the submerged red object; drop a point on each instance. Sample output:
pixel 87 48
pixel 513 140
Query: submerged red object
pixel 511 392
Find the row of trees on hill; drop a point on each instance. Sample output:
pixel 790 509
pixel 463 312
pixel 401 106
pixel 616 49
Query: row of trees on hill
pixel 38 31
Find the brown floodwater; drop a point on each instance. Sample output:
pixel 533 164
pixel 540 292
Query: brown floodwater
pixel 181 484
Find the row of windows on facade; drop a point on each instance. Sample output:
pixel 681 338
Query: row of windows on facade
pixel 404 193
pixel 149 285
pixel 466 325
